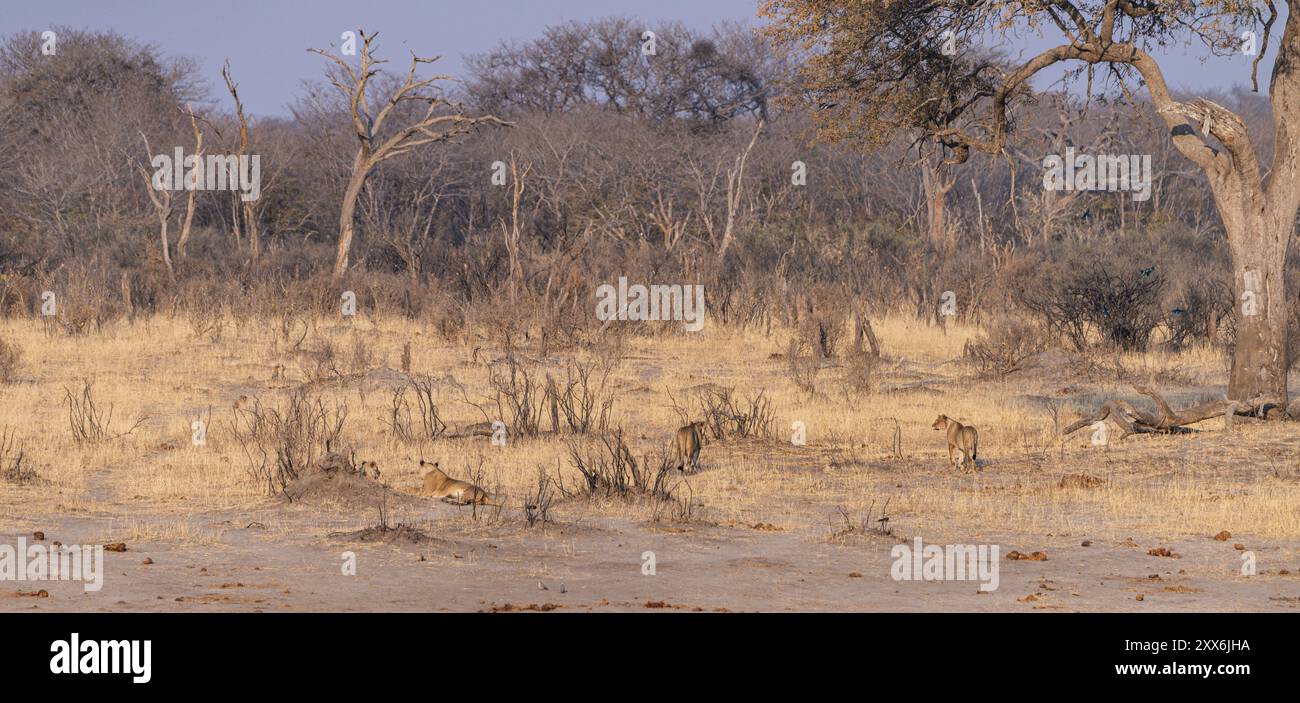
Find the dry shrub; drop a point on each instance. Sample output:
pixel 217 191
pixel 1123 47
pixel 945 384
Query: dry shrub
pixel 320 364
pixel 1199 314
pixel 819 323
pixel 362 358
pixel 10 356
pixel 90 421
pixel 84 302
pixel 517 396
pixel 537 504
pixel 609 469
pixel 201 304
pixel 867 526
pixel 206 322
pixel 475 472
pixel 402 419
pixel 803 365
pixel 280 443
pixel 1123 308
pixel 858 372
pixel 13 467
pixel 582 402
pixel 725 415
pixel 1004 347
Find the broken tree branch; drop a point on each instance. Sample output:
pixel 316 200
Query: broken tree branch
pixel 1135 421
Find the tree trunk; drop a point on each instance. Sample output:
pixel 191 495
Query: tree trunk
pixel 1259 358
pixel 346 216
pixel 166 249
pixel 254 236
pixel 937 217
pixel 936 188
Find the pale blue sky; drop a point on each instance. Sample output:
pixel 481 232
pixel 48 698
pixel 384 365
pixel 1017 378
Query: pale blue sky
pixel 266 40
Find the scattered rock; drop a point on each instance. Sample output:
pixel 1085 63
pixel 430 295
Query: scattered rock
pixel 38 536
pixel 1139 597
pixel 508 608
pixel 1128 543
pixel 147 561
pixel 1035 556
pixel 656 604
pixel 1239 546
pixel 1223 536
pixel 115 547
pixel 855 574
pixel 1086 543
pixel 1031 598
pixel 1162 552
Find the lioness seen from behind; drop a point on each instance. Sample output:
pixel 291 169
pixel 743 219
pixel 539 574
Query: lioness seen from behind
pixel 962 437
pixel 689 439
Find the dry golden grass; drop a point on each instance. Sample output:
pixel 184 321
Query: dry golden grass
pixel 163 370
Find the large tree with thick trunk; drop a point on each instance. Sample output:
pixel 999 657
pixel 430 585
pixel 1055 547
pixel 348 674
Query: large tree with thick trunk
pixel 865 58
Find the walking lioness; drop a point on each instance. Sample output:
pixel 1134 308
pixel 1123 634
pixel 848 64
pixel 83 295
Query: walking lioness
pixel 439 485
pixel 689 439
pixel 963 437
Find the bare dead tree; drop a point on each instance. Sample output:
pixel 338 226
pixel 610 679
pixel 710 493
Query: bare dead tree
pixel 511 234
pixel 193 187
pixel 735 186
pixel 670 224
pixel 250 220
pixel 442 121
pixel 162 206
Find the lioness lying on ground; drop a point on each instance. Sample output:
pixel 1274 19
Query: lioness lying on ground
pixel 439 485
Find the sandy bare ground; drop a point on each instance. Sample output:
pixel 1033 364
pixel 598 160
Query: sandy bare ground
pixel 768 525
pixel 597 568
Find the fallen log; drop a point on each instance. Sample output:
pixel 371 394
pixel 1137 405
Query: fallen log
pixel 1165 420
